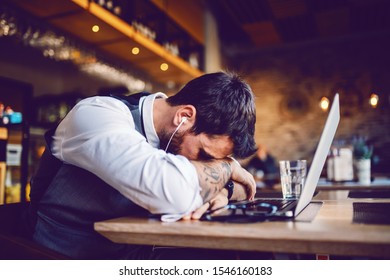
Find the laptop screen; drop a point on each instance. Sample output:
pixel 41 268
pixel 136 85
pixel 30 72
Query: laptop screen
pixel 320 156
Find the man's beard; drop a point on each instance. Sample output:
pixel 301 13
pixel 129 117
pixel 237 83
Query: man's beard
pixel 175 145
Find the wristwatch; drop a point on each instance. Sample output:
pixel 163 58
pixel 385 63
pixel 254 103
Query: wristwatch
pixel 230 188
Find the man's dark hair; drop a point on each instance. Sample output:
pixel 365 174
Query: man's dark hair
pixel 225 106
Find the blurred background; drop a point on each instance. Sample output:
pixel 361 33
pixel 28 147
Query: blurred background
pixel 295 54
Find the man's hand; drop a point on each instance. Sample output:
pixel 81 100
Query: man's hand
pixel 213 176
pixel 243 182
pixel 218 201
pixel 241 193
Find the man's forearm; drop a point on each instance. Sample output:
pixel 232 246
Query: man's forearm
pixel 213 175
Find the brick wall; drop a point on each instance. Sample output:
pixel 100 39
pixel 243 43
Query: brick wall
pixel 288 84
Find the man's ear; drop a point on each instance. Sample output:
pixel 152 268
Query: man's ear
pixel 185 114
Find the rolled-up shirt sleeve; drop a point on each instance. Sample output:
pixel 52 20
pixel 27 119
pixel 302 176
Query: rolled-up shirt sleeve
pixel 99 135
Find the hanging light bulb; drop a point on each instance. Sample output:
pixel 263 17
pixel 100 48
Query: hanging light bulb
pixel 135 50
pixel 164 66
pixel 374 100
pixel 324 103
pixel 95 28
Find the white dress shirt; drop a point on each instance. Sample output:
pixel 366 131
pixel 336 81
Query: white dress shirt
pixel 99 135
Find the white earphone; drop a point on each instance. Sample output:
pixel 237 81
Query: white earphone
pixel 183 120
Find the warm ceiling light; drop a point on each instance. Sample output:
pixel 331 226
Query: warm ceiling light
pixel 135 50
pixel 324 103
pixel 164 66
pixel 95 28
pixel 374 99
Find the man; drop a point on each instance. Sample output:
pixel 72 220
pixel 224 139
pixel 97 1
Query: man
pixel 113 156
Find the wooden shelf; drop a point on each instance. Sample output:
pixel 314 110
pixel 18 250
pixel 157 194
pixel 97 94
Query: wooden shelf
pixel 115 37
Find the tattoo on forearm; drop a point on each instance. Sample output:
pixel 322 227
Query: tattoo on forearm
pixel 213 177
pixel 207 195
pixel 211 173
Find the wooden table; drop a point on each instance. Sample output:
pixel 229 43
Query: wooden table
pixel 331 232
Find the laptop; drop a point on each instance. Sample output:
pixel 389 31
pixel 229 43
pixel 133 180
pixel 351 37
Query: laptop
pixel 290 208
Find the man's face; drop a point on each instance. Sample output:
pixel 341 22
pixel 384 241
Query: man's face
pixel 198 147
